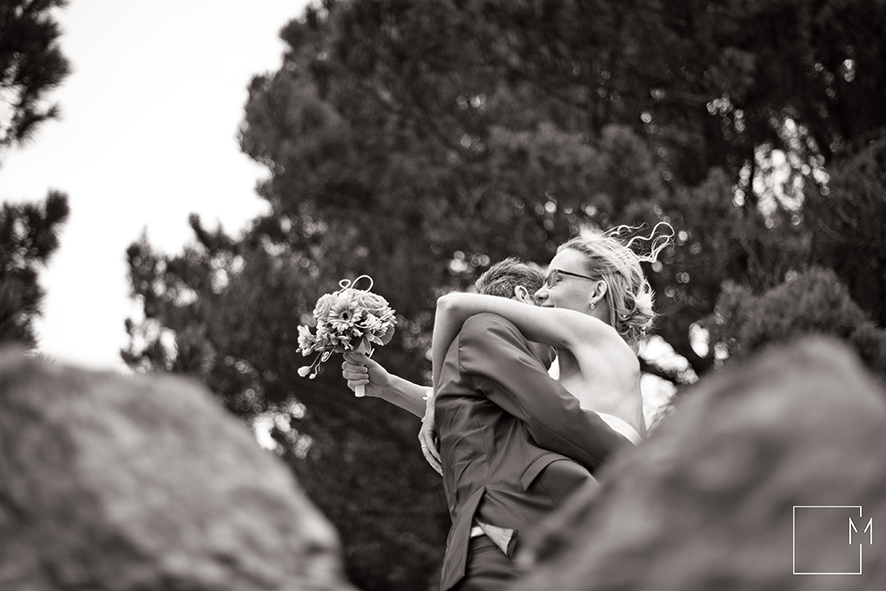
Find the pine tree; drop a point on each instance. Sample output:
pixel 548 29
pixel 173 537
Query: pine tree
pixel 28 236
pixel 31 65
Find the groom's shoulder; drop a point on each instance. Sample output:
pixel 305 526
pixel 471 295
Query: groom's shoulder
pixel 487 324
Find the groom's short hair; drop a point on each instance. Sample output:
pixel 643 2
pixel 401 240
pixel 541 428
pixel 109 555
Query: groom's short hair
pixel 502 277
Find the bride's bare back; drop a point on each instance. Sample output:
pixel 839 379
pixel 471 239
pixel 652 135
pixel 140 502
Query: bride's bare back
pixel 605 378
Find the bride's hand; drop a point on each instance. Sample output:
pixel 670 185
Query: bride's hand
pixel 360 370
pixel 428 437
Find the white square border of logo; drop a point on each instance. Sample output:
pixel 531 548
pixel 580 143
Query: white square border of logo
pixel 794 535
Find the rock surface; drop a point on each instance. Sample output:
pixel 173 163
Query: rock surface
pixel 145 482
pixel 708 502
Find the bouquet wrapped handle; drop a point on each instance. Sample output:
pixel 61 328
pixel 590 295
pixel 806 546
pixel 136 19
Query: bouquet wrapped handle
pixel 365 349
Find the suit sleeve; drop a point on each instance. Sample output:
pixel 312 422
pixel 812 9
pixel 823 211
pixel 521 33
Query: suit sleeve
pixel 495 359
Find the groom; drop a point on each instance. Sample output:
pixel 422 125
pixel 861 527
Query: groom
pixel 514 444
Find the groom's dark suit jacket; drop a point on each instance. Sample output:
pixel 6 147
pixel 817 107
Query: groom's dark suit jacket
pixel 509 436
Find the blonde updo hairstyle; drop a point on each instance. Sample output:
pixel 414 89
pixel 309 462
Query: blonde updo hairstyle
pixel 612 259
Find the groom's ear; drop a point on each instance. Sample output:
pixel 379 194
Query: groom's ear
pixel 521 294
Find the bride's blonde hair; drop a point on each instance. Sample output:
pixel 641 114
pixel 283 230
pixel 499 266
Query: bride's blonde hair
pixel 611 257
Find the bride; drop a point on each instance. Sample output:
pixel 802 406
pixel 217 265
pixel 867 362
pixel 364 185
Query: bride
pixel 594 307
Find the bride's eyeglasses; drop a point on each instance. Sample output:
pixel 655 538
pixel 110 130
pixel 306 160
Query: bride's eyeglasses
pixel 554 276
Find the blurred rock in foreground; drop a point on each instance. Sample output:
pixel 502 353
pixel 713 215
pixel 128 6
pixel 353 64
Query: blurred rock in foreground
pixel 116 483
pixel 708 501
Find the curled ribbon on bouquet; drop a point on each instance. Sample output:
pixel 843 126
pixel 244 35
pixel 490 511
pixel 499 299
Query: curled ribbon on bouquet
pixel 346 284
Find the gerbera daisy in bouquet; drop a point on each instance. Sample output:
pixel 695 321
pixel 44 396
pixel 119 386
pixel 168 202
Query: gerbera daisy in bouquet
pixel 349 319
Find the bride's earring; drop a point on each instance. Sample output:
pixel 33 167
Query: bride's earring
pixel 593 305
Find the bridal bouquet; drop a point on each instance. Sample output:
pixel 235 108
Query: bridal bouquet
pixel 349 319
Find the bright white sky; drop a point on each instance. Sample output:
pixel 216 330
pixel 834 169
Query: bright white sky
pixel 147 136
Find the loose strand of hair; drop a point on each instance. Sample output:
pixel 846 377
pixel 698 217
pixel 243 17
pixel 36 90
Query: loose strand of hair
pixel 657 242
